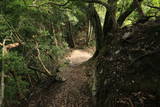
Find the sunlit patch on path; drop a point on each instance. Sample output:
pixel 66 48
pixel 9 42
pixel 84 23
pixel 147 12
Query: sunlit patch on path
pixel 78 56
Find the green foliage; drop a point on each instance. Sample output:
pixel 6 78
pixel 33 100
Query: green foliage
pixel 15 82
pixel 31 24
pixel 123 5
pixel 4 30
pixel 92 43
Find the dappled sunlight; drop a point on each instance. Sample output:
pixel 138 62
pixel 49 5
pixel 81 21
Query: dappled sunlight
pixel 78 56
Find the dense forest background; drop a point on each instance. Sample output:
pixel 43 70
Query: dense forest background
pixel 36 35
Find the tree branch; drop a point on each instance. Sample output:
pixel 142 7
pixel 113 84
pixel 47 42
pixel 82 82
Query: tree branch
pixel 153 7
pixel 1 44
pixel 50 3
pixel 41 62
pixel 98 2
pixel 2 87
pixel 38 70
pixel 129 10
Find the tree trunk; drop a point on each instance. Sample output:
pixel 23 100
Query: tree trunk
pixel 110 23
pixel 89 33
pixel 95 21
pixel 70 39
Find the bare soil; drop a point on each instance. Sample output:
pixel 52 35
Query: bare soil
pixel 74 92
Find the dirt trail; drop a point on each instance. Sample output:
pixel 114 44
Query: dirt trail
pixel 74 92
pixel 78 56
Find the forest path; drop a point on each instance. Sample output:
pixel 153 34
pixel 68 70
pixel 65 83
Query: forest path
pixel 78 56
pixel 74 92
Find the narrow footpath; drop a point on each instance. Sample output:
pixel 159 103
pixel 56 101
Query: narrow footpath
pixel 74 92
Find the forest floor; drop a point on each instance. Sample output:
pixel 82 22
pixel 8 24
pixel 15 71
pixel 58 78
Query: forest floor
pixel 74 92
